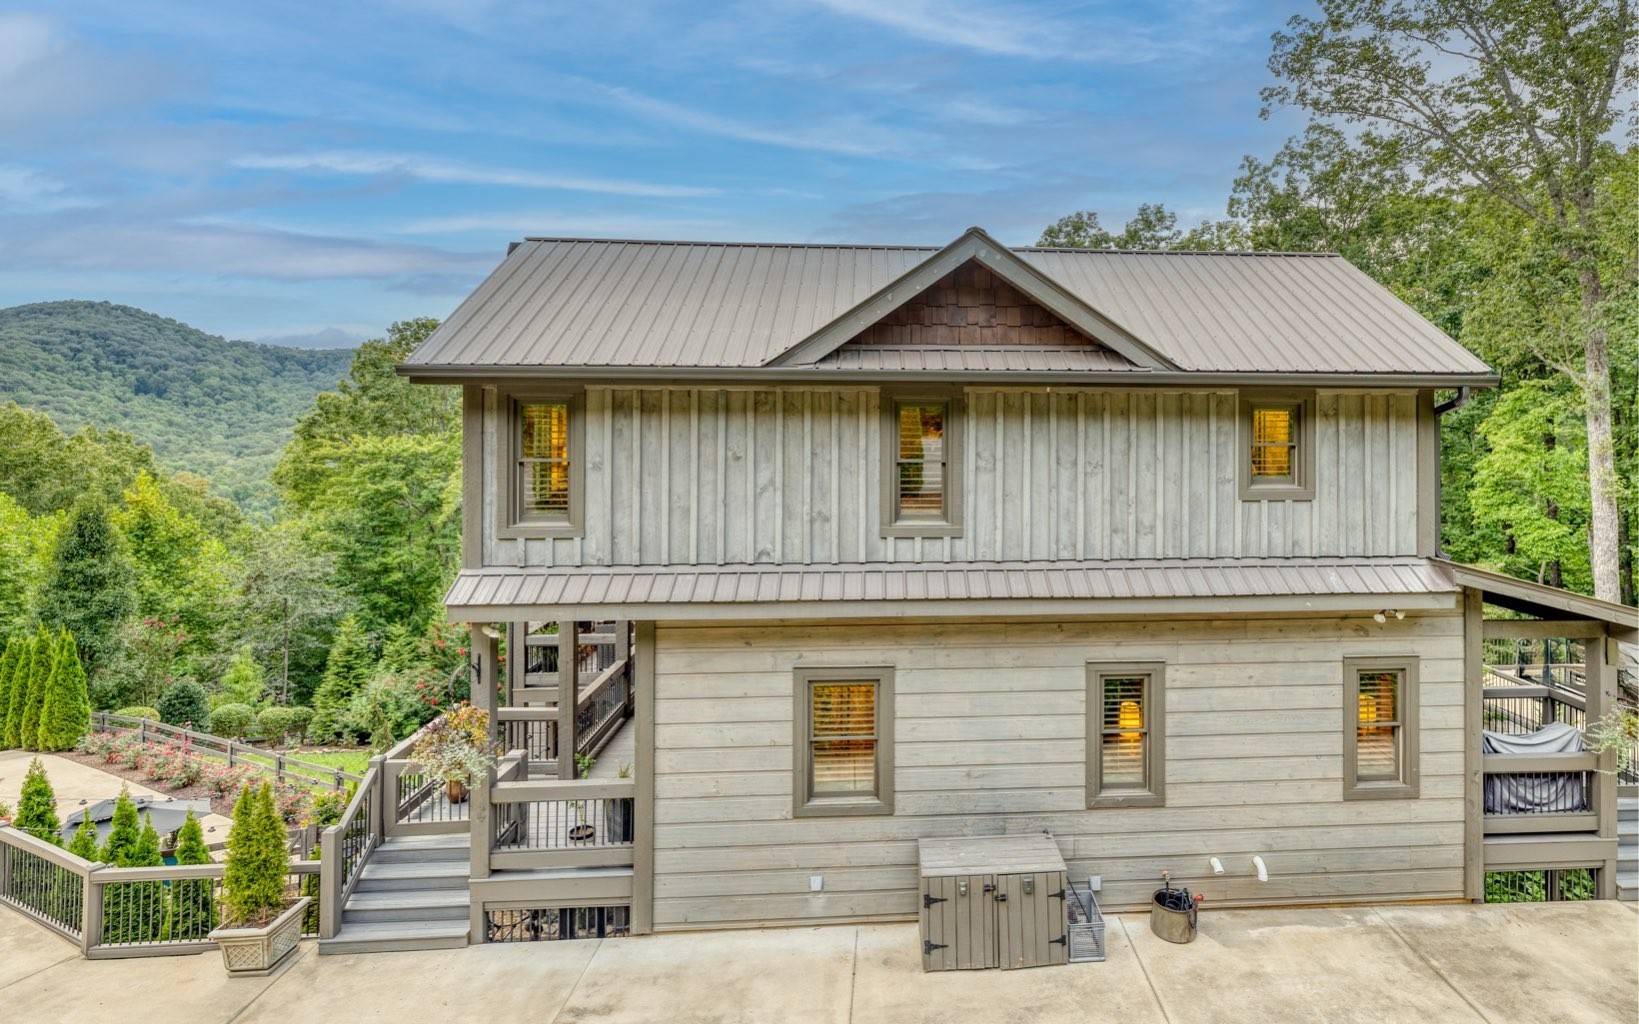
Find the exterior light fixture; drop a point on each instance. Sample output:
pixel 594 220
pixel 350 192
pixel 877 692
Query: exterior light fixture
pixel 1381 617
pixel 491 630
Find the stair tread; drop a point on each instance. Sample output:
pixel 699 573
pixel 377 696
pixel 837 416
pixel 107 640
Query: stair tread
pixel 455 841
pixel 402 929
pixel 415 869
pixel 614 871
pixel 406 899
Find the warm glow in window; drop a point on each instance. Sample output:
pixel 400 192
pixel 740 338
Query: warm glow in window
pixel 543 461
pixel 843 739
pixel 1123 730
pixel 1274 442
pixel 1377 728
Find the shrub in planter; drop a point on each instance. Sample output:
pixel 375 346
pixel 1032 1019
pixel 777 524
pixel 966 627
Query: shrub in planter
pixel 184 705
pixel 139 711
pixel 455 749
pixel 232 720
pixel 253 883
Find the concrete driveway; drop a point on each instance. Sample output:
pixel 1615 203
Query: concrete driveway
pixel 1570 962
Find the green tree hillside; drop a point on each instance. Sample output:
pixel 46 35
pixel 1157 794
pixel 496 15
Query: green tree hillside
pixel 221 409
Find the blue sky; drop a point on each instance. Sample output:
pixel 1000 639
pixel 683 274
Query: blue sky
pixel 309 172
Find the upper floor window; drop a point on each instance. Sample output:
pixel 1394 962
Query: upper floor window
pixel 542 467
pixel 1277 447
pixel 844 741
pixel 1379 728
pixel 920 466
pixel 1126 760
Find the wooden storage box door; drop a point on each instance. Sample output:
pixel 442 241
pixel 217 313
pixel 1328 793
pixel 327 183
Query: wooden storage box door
pixel 959 922
pixel 1030 919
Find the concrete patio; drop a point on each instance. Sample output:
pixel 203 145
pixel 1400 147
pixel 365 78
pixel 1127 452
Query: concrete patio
pixel 1519 964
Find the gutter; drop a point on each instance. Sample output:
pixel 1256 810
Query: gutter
pixel 1463 395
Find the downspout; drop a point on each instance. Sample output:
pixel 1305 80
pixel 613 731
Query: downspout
pixel 1463 395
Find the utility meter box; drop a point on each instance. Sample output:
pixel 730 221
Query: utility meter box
pixel 992 901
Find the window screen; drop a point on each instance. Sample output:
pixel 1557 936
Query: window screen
pixel 921 470
pixel 842 738
pixel 1377 729
pixel 543 461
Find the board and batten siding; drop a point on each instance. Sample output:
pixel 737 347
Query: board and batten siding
pixel 702 476
pixel 989 738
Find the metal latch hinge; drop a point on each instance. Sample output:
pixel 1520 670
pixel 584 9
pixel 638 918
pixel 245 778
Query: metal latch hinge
pixel 929 900
pixel 1000 897
pixel 1056 895
pixel 1060 941
pixel 928 946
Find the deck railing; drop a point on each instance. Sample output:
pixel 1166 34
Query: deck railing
pixel 1509 707
pixel 1560 788
pixel 235 752
pixel 114 912
pixel 346 846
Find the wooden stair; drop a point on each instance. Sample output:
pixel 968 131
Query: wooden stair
pixel 413 894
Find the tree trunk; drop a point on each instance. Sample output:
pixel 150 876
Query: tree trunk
pixel 1604 548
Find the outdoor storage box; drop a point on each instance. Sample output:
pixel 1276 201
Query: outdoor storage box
pixel 992 901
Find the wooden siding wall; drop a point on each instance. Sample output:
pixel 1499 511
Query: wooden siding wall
pixel 990 739
pixel 972 306
pixel 709 476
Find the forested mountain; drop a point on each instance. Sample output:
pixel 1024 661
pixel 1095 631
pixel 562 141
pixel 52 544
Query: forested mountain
pixel 221 409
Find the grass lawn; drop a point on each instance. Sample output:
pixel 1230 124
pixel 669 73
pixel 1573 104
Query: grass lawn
pixel 355 761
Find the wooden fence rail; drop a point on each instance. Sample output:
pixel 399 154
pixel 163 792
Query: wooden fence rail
pixel 235 752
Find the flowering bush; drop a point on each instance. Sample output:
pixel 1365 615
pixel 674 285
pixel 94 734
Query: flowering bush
pixel 457 747
pixel 178 766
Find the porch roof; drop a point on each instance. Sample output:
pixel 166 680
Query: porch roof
pixel 882 589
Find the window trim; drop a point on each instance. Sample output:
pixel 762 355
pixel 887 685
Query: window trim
pixel 1302 485
pixel 509 525
pixel 951 525
pixel 1155 750
pixel 803 803
pixel 1408 783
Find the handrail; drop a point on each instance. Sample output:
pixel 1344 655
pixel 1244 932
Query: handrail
pixel 605 679
pixel 40 848
pixel 1511 764
pixel 283 764
pixel 561 789
pixel 341 861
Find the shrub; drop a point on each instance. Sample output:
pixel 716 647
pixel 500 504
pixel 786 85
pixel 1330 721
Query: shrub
pixel 84 843
pixel 346 671
pixel 184 704
pixel 242 683
pixel 97 744
pixel 326 808
pixel 65 709
pixel 275 724
pixel 184 771
pixel 386 709
pixel 11 715
pixel 8 664
pixel 232 720
pixel 223 780
pixel 37 808
pixel 301 719
pixel 127 829
pixel 139 711
pixel 34 691
pixel 135 911
pixel 253 882
pixel 131 752
pixel 192 910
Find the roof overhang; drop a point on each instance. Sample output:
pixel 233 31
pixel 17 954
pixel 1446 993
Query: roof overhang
pixel 1173 587
pixel 975 245
pixel 1543 601
pixel 773 376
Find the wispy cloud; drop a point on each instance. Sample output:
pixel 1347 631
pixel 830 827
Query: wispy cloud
pixel 998 30
pixel 546 222
pixel 850 135
pixel 445 172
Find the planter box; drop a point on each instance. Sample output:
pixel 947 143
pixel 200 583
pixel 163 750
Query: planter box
pixel 257 952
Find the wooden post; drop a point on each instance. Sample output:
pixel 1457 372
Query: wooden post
pixel 1473 761
pixel 383 804
pixel 516 642
pixel 1600 674
pixel 478 822
pixel 330 882
pixel 568 697
pixel 91 913
pixel 230 753
pixel 640 672
pixel 486 652
pixel 142 733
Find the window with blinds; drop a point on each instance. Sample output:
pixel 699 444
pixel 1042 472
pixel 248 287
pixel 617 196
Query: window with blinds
pixel 921 462
pixel 1125 761
pixel 1278 450
pixel 844 724
pixel 543 461
pixel 1379 728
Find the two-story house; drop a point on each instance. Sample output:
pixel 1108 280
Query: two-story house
pixel 1137 548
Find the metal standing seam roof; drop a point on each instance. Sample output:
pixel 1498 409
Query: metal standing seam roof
pixel 952 582
pixel 609 303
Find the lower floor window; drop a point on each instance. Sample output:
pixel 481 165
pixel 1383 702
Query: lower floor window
pixel 844 737
pixel 1125 758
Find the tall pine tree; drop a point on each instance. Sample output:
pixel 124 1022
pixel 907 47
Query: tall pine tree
pixel 127 829
pixel 37 808
pixel 91 587
pixel 345 674
pixel 11 715
pixel 8 661
pixel 65 712
pixel 39 675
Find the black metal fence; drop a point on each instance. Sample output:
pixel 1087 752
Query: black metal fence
pixel 1547 885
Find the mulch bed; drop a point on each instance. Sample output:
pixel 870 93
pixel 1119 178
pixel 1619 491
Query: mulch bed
pixel 219 805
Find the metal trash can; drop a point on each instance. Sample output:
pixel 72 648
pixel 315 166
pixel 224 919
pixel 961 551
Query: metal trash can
pixel 1173 912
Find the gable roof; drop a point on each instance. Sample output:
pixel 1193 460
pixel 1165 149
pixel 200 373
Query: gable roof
pixel 566 305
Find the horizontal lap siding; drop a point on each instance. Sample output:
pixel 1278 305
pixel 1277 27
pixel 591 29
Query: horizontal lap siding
pixel 690 476
pixel 990 738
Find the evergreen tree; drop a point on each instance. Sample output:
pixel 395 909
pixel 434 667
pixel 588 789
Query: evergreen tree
pixel 90 589
pixel 135 911
pixel 8 662
pixel 184 704
pixel 39 676
pixel 84 844
pixel 253 883
pixel 127 830
pixel 243 682
pixel 345 674
pixel 37 808
pixel 192 911
pixel 65 713
pixel 11 716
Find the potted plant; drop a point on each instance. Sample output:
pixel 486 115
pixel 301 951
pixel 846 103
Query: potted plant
pixel 1618 730
pixel 261 921
pixel 582 832
pixel 455 749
